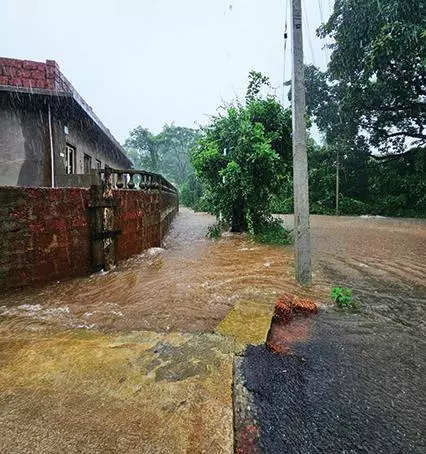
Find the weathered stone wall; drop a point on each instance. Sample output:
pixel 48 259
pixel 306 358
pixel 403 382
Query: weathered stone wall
pixel 144 218
pixel 44 235
pixel 45 232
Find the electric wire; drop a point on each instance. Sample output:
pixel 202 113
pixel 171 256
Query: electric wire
pixel 285 51
pixel 308 29
pixel 325 46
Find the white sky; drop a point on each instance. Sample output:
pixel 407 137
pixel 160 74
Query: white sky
pixel 151 62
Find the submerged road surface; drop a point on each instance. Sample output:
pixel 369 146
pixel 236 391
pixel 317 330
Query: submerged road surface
pixel 351 383
pixel 140 359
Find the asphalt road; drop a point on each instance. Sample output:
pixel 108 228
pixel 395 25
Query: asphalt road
pixel 355 386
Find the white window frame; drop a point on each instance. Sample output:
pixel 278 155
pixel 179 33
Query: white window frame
pixel 70 159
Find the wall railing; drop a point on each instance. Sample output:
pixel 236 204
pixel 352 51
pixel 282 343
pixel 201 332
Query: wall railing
pixel 124 179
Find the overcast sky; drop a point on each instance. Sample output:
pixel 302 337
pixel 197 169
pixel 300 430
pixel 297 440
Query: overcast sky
pixel 151 62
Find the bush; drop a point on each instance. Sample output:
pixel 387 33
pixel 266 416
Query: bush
pixel 321 207
pixel 203 204
pixel 214 231
pixel 282 205
pixel 273 232
pixel 353 207
pixel 241 160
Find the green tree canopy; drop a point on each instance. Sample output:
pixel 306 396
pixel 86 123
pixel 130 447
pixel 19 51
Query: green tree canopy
pixel 142 149
pixel 376 83
pixel 242 157
pixel 167 153
pixel 175 144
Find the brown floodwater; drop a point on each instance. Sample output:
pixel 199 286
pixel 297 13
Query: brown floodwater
pixel 75 379
pixel 192 282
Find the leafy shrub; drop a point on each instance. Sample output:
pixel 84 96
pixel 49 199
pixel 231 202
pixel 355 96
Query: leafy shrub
pixel 321 207
pixel 215 231
pixel 273 232
pixel 241 159
pixel 342 297
pixel 204 204
pixel 282 205
pixel 353 207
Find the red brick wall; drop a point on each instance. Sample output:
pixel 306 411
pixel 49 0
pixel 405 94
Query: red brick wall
pixel 44 235
pixel 144 218
pixel 32 74
pixel 45 232
pixel 138 221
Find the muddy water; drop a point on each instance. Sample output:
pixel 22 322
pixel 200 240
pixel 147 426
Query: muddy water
pixel 66 350
pixel 192 282
pixel 382 259
pixel 348 382
pixel 189 285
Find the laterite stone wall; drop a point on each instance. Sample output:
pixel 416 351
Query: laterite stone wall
pixel 45 232
pixel 32 74
pixel 44 235
pixel 138 221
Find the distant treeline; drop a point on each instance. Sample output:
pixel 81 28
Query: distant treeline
pixel 387 187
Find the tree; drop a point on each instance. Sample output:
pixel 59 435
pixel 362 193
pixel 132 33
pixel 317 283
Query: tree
pixel 175 143
pixel 242 157
pixel 377 72
pixel 142 148
pixel 256 81
pixel 166 153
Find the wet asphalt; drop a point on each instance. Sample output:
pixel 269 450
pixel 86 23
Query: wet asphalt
pixel 355 386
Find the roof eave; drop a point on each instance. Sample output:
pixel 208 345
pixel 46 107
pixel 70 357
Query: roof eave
pixel 81 103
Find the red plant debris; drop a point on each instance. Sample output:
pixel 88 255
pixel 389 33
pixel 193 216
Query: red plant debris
pixel 287 325
pixel 247 440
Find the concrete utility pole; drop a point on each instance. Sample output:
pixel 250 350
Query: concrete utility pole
pixel 302 234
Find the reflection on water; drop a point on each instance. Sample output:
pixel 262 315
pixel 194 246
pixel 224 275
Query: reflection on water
pixel 192 283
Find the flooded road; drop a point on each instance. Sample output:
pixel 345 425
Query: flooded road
pixel 114 362
pixel 189 285
pixel 193 282
pixel 349 382
pixel 383 260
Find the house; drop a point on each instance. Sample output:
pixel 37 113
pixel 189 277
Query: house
pixel 49 136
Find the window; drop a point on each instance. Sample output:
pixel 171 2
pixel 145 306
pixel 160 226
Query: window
pixel 69 159
pixel 87 163
pixel 98 164
pixel 106 167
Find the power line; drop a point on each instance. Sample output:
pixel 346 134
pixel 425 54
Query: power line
pixel 325 47
pixel 309 33
pixel 285 50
